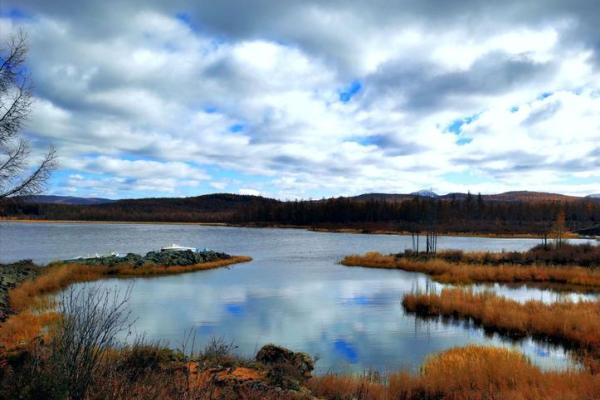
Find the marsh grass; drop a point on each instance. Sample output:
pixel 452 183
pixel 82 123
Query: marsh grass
pixel 471 372
pixel 572 324
pixel 34 308
pixel 445 271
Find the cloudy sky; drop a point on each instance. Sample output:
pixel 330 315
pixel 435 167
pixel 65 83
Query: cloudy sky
pixel 307 98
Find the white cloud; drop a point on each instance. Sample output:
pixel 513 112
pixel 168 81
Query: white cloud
pixel 142 101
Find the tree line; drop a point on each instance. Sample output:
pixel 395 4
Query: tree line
pixel 417 214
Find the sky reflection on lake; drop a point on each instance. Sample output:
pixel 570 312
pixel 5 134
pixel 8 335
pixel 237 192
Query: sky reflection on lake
pixel 294 293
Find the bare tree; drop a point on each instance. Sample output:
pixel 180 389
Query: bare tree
pixel 15 105
pixel 560 228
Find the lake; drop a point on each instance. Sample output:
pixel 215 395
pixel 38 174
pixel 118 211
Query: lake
pixel 294 293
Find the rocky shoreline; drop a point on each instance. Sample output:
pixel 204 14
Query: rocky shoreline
pixel 11 275
pixel 153 258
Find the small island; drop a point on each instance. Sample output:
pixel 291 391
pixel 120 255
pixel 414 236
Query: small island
pixel 169 260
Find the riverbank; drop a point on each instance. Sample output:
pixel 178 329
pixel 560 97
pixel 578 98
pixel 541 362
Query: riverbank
pixel 12 275
pixel 464 373
pixel 574 325
pixel 350 230
pixel 30 309
pixel 444 271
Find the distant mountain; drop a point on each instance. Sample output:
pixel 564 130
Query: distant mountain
pixel 425 193
pixel 523 196
pixel 455 196
pixel 382 196
pixel 84 201
pixel 529 196
pixel 220 201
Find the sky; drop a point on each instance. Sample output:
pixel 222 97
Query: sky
pixel 310 99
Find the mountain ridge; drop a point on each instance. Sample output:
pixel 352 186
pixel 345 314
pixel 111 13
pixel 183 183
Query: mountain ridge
pixel 523 195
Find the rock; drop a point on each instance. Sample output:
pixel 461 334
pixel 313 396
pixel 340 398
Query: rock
pixel 10 276
pixel 162 258
pixel 297 365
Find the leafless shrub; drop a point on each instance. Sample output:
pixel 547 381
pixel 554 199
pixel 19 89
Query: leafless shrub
pixel 92 318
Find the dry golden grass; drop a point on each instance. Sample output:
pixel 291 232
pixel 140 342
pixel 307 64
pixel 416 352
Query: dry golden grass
pixel 31 293
pixel 471 372
pixel 154 270
pixel 21 328
pixel 33 309
pixel 573 323
pixel 459 273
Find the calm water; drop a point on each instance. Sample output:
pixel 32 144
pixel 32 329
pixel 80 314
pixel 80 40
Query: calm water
pixel 294 293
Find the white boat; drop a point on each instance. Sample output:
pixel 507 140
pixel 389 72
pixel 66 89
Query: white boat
pixel 175 247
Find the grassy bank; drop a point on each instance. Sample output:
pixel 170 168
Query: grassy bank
pixel 472 372
pixel 32 310
pixel 573 324
pixel 444 271
pixel 584 255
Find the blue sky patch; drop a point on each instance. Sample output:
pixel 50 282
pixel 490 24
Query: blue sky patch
pixel 15 14
pixel 349 92
pixel 235 128
pixel 457 125
pixel 361 300
pixel 542 352
pixel 235 309
pixel 346 350
pixel 184 17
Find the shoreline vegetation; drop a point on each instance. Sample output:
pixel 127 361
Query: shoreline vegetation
pixel 464 373
pixel 542 267
pixel 332 229
pixel 470 372
pixel 28 308
pixel 45 367
pixel 477 372
pixel 132 371
pixel 574 325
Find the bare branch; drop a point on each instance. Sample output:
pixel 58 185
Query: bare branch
pixel 13 115
pixel 35 182
pixel 14 163
pixel 15 105
pixel 16 50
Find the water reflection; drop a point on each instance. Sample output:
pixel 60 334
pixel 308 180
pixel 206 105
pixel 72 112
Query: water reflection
pixel 294 293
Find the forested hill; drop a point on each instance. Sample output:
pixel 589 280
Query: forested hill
pixel 208 208
pixel 513 212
